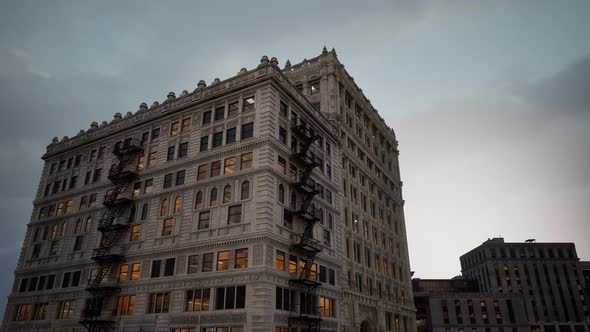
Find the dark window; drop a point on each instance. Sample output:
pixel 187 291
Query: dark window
pixel 282 135
pixel 77 160
pixel 230 136
pixel 208 262
pixel 204 218
pixel 206 117
pixel 65 282
pixel 180 177
pixel 230 298
pixel 283 108
pixel 247 130
pixel 170 154
pixel 193 264
pixel 234 214
pixel 78 243
pixel 169 267
pixel 145 136
pixel 156 267
pixel 183 150
pixel 168 180
pixel 155 134
pixel 217 139
pixel 204 143
pixel 233 109
pixel 219 113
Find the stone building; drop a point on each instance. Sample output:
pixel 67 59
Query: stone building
pixel 269 201
pixel 455 305
pixel 548 276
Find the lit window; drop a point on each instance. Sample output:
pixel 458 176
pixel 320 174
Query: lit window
pixel 246 161
pixel 282 165
pixel 197 300
pixel 65 310
pixel 164 207
pixel 229 165
pixel 177 204
pixel 280 261
pixel 241 258
pixel 135 271
pixel 168 226
pixel 123 272
pixel 222 260
pixel 152 158
pixel 327 307
pixel 202 172
pixel 125 305
pixel 135 232
pixel 186 124
pixel 174 127
pixel 23 312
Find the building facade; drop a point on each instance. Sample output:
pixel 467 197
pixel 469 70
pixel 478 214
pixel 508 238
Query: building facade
pixel 457 305
pixel 235 207
pixel 548 276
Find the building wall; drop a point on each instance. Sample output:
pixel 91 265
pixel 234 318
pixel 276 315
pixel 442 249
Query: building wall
pixel 379 292
pixel 547 275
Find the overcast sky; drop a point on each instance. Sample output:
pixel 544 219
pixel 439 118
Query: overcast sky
pixel 490 100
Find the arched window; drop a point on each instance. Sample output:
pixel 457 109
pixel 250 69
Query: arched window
pixel 177 204
pixel 321 216
pixel 88 226
pixel 213 198
pixel 164 207
pixel 293 200
pixel 64 228
pixel 227 194
pixel 199 200
pixel 330 220
pixel 281 193
pixel 144 211
pixel 78 226
pixel 245 190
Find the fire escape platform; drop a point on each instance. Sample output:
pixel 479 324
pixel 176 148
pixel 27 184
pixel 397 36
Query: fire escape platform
pixel 125 175
pixel 103 289
pixel 133 148
pixel 118 201
pixel 112 228
pixel 108 258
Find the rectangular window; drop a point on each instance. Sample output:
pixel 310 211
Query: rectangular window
pixel 234 214
pixel 180 177
pixel 170 154
pixel 208 262
pixel 280 261
pixel 145 137
pixel 247 131
pixel 97 173
pixel 222 260
pixel 169 267
pixel 159 303
pixel 217 139
pixel 155 134
pixel 135 271
pixel 183 150
pixel 283 108
pixel 282 165
pixel 197 299
pixel 156 267
pixel 327 236
pixel 204 145
pixel 65 310
pixel 249 104
pixel 135 232
pixel 54 247
pixel 202 172
pixel 327 307
pixel 229 165
pixel 125 305
pixel 78 243
pixel 148 186
pixel 219 113
pixel 23 311
pixel 168 226
pixel 204 218
pixel 230 135
pixel 168 180
pixel 216 168
pixel 123 272
pixel 241 258
pixel 246 161
pixel 152 158
pixel 193 264
pixel 233 109
pixel 186 124
pixel 174 127
pixel 282 135
pixel 230 298
pixel 206 118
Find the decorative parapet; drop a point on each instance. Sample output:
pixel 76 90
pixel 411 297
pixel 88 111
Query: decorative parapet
pixel 267 68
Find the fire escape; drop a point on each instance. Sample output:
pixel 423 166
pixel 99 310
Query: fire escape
pixel 305 247
pixel 121 174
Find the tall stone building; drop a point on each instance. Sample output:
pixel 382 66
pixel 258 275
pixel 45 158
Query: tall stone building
pixel 269 201
pixel 548 276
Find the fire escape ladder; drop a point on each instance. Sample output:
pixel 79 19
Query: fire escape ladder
pixel 122 174
pixel 306 247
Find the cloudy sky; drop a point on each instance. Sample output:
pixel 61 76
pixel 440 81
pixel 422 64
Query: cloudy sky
pixel 490 99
